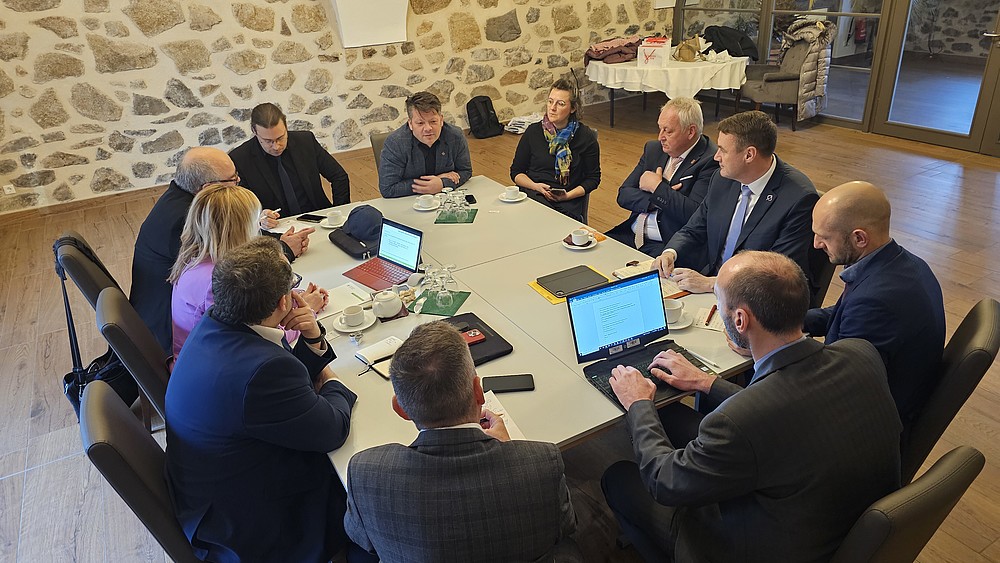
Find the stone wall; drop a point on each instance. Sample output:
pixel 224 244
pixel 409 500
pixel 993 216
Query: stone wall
pixel 958 27
pixel 101 96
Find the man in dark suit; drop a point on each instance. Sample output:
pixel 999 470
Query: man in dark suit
pixel 755 202
pixel 159 239
pixel 250 421
pixel 283 167
pixel 670 181
pixel 780 470
pixel 462 491
pixel 891 297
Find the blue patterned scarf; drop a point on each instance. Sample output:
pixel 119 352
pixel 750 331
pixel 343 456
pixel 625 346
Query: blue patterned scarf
pixel 559 146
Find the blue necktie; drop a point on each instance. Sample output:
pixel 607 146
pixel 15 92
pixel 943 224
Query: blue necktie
pixel 736 225
pixel 285 344
pixel 286 186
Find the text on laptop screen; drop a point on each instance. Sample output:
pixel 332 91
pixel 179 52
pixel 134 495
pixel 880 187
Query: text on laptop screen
pixel 616 313
pixel 399 245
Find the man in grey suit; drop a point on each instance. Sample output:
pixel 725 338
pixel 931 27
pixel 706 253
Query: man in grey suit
pixel 780 470
pixel 462 491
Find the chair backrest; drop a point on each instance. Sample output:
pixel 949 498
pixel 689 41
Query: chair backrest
pixel 83 266
pixel 895 528
pixel 968 355
pixel 132 340
pixel 378 141
pixel 820 273
pixel 795 56
pixel 132 462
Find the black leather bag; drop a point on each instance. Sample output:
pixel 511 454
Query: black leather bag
pixel 352 246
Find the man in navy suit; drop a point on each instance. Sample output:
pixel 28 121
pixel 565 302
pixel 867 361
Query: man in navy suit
pixel 670 181
pixel 781 470
pixel 891 297
pixel 755 202
pixel 250 421
pixel 462 491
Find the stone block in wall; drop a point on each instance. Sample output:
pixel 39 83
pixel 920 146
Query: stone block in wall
pixel 369 71
pixel 442 89
pixel 96 6
pixel 642 8
pixel 290 52
pixel 86 128
pixel 6 84
pixel 166 142
pixel 382 113
pixel 245 61
pixel 572 43
pixel 478 73
pixel 308 18
pixel 30 5
pixel 295 103
pixel 517 56
pixel 210 136
pixel 233 134
pixel 34 179
pixel 300 125
pixel 115 29
pixel 415 79
pixel 261 43
pixel 421 7
pixel 360 102
pixel 94 104
pixel 109 180
pixel 556 61
pixel 514 77
pixel 220 101
pixel 143 169
pixel 455 65
pixel 60 159
pixel 120 143
pixel 28 160
pixel 599 17
pixel 464 30
pixel 540 79
pixel 486 90
pixel 319 80
pixel 283 80
pixel 319 105
pixel 285 30
pixel 203 18
pixel 394 91
pixel 119 56
pixel 252 16
pixel 63 193
pixel 7 166
pixel 88 143
pixel 412 65
pixel 50 137
pixel 221 44
pixel 513 98
pixel 180 95
pixel 188 55
pixel 435 58
pixel 48 111
pixel 153 17
pixel 62 26
pixel 503 28
pixel 18 201
pixel 171 119
pixel 53 66
pixel 564 18
pixel 13 45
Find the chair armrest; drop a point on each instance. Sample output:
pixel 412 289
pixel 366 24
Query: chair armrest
pixel 756 72
pixel 780 76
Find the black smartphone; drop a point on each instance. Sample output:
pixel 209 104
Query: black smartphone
pixel 470 198
pixel 557 191
pixel 505 383
pixel 310 218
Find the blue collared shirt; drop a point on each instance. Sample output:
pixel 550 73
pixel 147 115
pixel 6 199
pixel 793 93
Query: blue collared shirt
pixel 851 273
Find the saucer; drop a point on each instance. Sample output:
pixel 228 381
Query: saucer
pixel 521 196
pixel 588 246
pixel 325 223
pixel 686 320
pixel 437 203
pixel 341 327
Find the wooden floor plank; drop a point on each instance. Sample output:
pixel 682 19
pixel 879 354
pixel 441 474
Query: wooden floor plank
pixel 11 493
pixel 12 463
pixel 16 365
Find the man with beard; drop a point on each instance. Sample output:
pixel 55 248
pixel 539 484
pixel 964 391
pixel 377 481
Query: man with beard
pixel 780 470
pixel 891 297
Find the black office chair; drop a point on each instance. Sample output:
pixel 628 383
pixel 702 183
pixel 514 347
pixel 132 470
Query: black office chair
pixel 820 273
pixel 378 141
pixel 970 352
pixel 896 528
pixel 133 463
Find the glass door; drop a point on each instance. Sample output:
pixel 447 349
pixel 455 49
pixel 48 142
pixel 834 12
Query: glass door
pixel 939 80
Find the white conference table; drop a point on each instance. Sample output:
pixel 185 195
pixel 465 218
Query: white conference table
pixel 508 245
pixel 677 79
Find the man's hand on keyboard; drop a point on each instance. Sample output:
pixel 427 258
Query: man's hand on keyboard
pixel 630 386
pixel 676 370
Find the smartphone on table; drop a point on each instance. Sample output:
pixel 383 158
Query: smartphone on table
pixel 507 383
pixel 310 218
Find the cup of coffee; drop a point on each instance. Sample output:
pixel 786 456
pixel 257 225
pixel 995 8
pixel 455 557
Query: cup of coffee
pixel 580 237
pixel 674 308
pixel 511 192
pixel 353 315
pixel 425 201
pixel 335 217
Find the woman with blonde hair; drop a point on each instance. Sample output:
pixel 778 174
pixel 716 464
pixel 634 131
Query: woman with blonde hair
pixel 221 218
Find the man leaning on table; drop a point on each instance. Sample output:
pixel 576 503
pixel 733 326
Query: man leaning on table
pixel 425 155
pixel 250 420
pixel 670 181
pixel 755 202
pixel 891 297
pixel 462 491
pixel 780 470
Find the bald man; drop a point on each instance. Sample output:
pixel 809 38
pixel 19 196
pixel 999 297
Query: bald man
pixel 159 239
pixel 891 297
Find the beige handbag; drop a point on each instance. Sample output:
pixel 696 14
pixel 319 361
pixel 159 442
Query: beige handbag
pixel 688 50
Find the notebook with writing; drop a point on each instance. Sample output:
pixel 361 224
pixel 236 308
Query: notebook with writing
pixel 398 257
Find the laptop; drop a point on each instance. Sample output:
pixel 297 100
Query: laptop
pixel 621 323
pixel 398 256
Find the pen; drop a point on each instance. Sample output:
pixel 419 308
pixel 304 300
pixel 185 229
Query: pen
pixel 704 360
pixel 686 178
pixel 711 313
pixel 362 299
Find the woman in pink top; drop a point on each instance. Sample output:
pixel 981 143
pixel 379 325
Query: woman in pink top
pixel 221 218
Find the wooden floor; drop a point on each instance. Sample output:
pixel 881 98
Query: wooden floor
pixel 55 507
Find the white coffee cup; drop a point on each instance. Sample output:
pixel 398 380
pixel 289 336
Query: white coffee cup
pixel 353 315
pixel 335 217
pixel 425 201
pixel 580 237
pixel 511 192
pixel 674 308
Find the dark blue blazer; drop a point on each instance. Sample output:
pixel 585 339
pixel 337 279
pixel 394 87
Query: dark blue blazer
pixel 895 303
pixel 674 207
pixel 781 221
pixel 247 443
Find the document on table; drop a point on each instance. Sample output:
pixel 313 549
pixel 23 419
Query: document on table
pixel 701 320
pixel 670 288
pixel 493 404
pixel 342 297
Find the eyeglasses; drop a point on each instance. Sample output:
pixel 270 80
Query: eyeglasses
pixel 296 280
pixel 234 179
pixel 272 142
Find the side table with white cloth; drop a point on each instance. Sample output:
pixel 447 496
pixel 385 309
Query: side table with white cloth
pixel 507 246
pixel 677 79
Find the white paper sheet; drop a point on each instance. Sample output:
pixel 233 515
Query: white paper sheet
pixel 494 405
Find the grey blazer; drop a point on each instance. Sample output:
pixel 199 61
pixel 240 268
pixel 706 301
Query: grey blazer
pixel 782 469
pixel 459 495
pixel 403 161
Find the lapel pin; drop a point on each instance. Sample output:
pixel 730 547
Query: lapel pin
pixel 770 197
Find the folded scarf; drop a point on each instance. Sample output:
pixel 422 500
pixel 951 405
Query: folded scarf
pixel 559 146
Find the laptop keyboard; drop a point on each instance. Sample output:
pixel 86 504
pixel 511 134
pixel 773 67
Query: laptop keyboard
pixel 599 373
pixel 385 270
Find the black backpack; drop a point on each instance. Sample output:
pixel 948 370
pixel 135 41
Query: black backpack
pixel 483 122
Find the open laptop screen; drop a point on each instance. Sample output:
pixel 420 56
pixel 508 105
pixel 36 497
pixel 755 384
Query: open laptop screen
pixel 399 244
pixel 616 317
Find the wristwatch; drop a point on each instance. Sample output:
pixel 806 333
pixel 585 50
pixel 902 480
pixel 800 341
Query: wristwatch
pixel 318 339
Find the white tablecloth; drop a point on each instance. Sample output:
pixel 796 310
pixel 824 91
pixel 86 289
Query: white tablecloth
pixel 677 79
